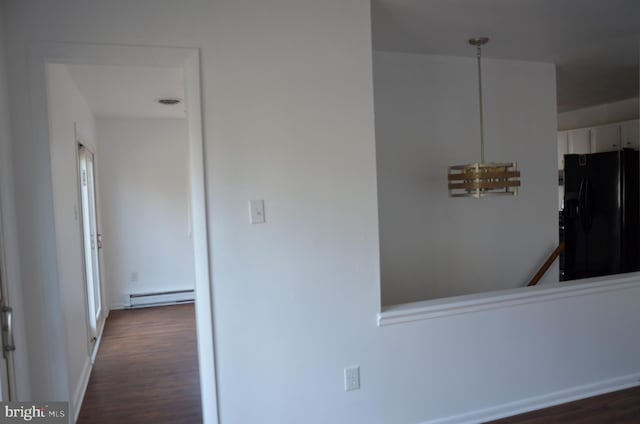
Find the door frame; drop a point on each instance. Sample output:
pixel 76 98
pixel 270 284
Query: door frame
pixel 93 334
pixel 43 54
pixel 7 369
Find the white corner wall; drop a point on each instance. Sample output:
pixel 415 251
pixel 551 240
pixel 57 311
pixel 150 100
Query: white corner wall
pixel 144 211
pixel 427 118
pixel 623 110
pixel 11 272
pixel 69 110
pixel 288 117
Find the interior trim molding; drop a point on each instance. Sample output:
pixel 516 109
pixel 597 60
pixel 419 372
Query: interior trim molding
pixel 429 309
pixel 540 402
pixel 81 389
pixel 41 54
pixel 96 347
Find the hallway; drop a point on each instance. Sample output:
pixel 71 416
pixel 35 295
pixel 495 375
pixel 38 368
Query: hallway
pixel 146 370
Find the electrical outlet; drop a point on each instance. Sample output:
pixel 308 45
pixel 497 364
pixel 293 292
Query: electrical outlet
pixel 351 378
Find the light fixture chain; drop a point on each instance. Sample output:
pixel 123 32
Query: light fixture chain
pixel 478 54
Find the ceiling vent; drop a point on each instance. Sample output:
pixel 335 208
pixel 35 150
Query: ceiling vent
pixel 169 101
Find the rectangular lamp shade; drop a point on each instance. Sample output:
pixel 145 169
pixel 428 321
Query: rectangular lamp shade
pixel 480 180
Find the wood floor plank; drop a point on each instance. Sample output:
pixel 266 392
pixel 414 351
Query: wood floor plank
pixel 146 370
pixel 621 407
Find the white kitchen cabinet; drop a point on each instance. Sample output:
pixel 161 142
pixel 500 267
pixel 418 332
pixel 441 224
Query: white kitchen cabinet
pixel 630 135
pixel 563 148
pixel 580 141
pixel 605 138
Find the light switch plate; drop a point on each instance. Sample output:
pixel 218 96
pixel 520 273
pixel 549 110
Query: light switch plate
pixel 256 212
pixel 351 378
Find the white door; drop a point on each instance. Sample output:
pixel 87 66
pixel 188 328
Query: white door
pixel 90 239
pixel 6 323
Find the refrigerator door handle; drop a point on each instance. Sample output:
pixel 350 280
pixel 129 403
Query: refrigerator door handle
pixel 579 211
pixel 585 208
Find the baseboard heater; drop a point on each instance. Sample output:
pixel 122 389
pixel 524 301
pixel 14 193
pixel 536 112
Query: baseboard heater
pixel 144 300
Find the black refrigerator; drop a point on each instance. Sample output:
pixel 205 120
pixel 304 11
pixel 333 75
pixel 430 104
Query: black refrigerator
pixel 601 214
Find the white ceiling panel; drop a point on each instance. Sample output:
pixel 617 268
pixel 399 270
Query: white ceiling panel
pixel 594 43
pixel 129 91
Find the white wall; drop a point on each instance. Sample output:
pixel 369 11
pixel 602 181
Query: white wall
pixel 11 273
pixel 145 206
pixel 68 109
pixel 427 118
pixel 623 110
pixel 288 117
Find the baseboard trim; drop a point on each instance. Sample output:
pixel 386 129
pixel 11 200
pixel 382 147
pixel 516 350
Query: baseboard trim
pixel 540 402
pixel 81 389
pixel 145 300
pixel 96 347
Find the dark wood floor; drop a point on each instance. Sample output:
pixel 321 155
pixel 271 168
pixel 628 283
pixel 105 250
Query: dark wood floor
pixel 146 370
pixel 622 407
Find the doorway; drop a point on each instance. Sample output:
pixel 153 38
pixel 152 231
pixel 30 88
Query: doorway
pixel 122 56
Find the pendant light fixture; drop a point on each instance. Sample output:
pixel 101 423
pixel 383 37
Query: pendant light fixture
pixel 483 179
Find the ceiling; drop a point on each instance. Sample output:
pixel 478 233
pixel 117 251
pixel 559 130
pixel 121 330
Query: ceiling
pixel 130 91
pixel 594 43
